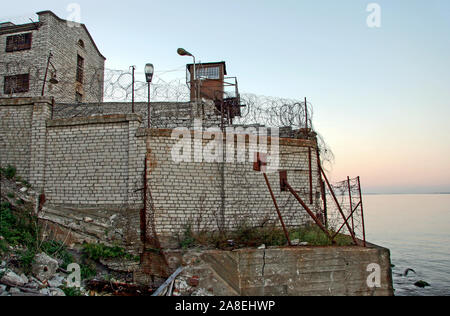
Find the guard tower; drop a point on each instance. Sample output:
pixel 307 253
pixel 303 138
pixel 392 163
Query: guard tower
pixel 212 84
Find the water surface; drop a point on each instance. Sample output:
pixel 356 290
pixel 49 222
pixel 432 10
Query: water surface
pixel 416 228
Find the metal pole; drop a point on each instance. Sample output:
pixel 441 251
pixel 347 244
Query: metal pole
pixel 362 213
pixel 149 107
pixel 351 203
pixel 309 157
pixel 132 92
pixel 278 210
pixel 309 211
pixel 46 73
pixel 322 188
pixel 339 207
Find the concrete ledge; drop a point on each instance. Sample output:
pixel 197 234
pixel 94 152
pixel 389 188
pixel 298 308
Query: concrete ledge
pixel 303 271
pixel 167 133
pixel 25 101
pixel 104 119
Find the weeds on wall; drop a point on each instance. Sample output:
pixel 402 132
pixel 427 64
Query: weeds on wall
pixel 248 237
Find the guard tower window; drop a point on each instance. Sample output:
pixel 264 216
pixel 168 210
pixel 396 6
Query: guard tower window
pixel 19 42
pixel 80 69
pixel 209 73
pixel 17 84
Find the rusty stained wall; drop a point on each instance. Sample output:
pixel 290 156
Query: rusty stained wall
pixel 196 194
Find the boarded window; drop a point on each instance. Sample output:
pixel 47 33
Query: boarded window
pixel 17 84
pixel 19 42
pixel 80 69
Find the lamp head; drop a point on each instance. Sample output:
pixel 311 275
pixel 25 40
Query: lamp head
pixel 149 70
pixel 183 52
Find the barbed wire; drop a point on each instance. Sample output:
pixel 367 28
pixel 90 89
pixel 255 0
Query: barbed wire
pixel 116 86
pixel 348 195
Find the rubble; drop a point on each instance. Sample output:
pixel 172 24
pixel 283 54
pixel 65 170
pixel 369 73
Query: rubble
pixel 44 267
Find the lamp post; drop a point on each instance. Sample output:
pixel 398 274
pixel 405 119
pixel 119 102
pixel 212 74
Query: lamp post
pixel 53 79
pixel 149 70
pixel 183 52
pixel 133 68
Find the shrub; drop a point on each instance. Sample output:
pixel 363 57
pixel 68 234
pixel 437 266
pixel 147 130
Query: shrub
pixel 9 172
pixel 99 251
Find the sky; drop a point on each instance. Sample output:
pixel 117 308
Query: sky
pixel 381 96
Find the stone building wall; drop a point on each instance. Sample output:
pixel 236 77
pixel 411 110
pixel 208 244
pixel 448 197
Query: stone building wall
pixel 52 34
pixel 209 196
pixel 15 134
pixel 94 165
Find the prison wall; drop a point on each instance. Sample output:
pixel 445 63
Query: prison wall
pixel 91 171
pixel 213 196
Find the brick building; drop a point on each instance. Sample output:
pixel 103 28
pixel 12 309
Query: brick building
pixel 76 69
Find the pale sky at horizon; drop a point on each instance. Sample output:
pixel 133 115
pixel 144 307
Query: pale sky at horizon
pixel 381 96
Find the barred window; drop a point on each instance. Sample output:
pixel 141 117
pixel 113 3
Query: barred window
pixel 19 42
pixel 17 84
pixel 208 73
pixel 80 68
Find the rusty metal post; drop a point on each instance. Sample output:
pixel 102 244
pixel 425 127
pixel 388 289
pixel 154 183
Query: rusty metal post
pixel 278 210
pixel 310 176
pixel 351 203
pixel 144 210
pixel 322 188
pixel 308 210
pixel 339 207
pixel 362 212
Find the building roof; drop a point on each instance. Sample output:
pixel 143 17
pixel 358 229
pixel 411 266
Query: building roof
pixel 82 25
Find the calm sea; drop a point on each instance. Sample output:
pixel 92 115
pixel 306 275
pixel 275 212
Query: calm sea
pixel 416 228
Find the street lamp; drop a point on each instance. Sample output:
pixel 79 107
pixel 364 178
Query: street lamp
pixel 149 71
pixel 183 52
pixel 53 79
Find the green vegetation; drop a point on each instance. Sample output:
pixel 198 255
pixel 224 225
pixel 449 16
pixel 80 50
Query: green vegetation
pixel 9 172
pixel 99 251
pixel 71 291
pixel 246 236
pixel 21 231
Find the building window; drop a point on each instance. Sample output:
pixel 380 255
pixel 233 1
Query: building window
pixel 17 84
pixel 81 43
pixel 208 73
pixel 19 42
pixel 80 69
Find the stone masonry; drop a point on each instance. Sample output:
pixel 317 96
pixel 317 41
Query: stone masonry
pixel 65 41
pixel 93 167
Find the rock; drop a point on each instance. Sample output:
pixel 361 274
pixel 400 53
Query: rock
pixel 88 220
pixel 24 278
pixel 45 292
pixel 304 244
pixel 2 289
pixel 24 189
pixel 3 263
pixel 14 290
pixel 44 267
pixel 12 279
pixel 56 282
pixel 194 281
pixel 422 284
pixel 295 242
pixel 57 292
